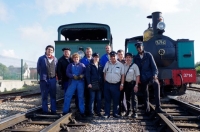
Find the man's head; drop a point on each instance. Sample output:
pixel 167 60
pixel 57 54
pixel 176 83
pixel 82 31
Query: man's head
pixel 108 49
pixel 75 57
pixel 95 57
pixel 88 52
pixel 140 47
pixel 49 50
pixel 113 56
pixel 120 54
pixel 66 52
pixel 128 57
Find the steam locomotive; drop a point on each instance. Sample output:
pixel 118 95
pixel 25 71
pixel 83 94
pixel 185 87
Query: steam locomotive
pixel 174 58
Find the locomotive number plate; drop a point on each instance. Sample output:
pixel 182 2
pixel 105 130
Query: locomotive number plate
pixel 160 42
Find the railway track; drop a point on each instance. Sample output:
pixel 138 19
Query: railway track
pixel 184 117
pixel 197 89
pixel 35 121
pixel 17 95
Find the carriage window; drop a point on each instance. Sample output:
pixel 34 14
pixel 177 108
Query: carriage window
pixel 78 34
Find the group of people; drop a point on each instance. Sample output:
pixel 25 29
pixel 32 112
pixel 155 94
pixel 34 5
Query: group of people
pixel 113 77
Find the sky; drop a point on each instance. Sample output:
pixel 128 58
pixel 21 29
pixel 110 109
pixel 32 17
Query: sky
pixel 28 26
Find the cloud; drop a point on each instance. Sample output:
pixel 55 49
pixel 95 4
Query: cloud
pixel 4 15
pixel 9 53
pixel 37 35
pixel 53 7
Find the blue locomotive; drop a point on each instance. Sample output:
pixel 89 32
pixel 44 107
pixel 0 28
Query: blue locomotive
pixel 174 58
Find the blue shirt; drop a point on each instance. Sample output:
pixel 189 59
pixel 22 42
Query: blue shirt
pixel 85 61
pixel 104 59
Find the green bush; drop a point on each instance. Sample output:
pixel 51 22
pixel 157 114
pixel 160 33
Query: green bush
pixel 198 69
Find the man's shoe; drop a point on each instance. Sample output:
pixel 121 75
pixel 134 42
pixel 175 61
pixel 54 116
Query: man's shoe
pixel 99 115
pixel 106 116
pixel 134 115
pixel 117 116
pixel 127 114
pixel 159 110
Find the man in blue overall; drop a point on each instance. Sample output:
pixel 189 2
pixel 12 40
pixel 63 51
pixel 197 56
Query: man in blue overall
pixel 75 72
pixel 46 68
pixel 148 73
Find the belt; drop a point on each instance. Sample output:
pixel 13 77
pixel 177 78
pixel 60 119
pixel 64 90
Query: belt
pixel 131 82
pixel 113 83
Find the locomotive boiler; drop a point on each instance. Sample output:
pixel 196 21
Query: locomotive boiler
pixel 174 58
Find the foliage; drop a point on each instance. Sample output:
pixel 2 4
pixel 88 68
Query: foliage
pixel 198 69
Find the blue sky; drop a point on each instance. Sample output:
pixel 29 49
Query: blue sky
pixel 28 26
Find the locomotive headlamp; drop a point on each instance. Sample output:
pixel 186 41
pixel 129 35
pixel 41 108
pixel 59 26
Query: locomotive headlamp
pixel 161 25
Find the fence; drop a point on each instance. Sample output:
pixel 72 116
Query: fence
pixel 17 69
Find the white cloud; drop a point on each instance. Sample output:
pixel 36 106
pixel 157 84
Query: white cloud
pixel 35 34
pixel 9 53
pixel 55 7
pixel 3 12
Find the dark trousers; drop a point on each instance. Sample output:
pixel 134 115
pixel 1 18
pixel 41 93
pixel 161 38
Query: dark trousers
pixel 111 92
pixel 87 98
pixel 145 91
pixel 128 90
pixel 95 97
pixel 48 87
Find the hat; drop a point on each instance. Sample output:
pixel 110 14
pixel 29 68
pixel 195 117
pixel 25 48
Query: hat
pixel 112 53
pixel 129 54
pixel 138 44
pixel 66 49
pixel 95 54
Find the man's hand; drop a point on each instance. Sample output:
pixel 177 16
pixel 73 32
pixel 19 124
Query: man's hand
pixel 89 86
pixel 76 77
pixel 135 89
pixel 121 87
pixel 81 76
pixel 155 77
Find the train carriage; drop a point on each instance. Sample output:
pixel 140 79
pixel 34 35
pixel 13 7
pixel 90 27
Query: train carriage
pixel 174 59
pixel 79 36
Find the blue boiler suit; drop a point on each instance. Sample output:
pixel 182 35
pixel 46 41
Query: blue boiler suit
pixel 47 84
pixel 75 85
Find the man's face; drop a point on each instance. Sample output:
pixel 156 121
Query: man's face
pixel 113 58
pixel 140 49
pixel 76 59
pixel 88 53
pixel 120 55
pixel 66 53
pixel 129 59
pixel 108 49
pixel 49 51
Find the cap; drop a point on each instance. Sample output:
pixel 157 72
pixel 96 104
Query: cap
pixel 138 44
pixel 112 53
pixel 66 49
pixel 129 54
pixel 95 54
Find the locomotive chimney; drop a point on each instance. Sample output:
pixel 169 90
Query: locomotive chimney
pixel 156 18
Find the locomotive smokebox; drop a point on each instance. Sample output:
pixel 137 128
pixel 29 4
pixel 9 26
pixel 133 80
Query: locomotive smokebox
pixel 156 18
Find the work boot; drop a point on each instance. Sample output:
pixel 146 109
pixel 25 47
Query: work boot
pixel 134 115
pixel 159 110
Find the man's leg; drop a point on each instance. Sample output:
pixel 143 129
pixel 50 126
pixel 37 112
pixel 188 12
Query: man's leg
pixel 52 91
pixel 145 91
pixel 98 100
pixel 68 96
pixel 44 92
pixel 80 93
pixel 91 101
pixel 115 94
pixel 107 94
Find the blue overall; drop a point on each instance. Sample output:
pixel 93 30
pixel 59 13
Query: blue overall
pixel 104 60
pixel 47 85
pixel 75 85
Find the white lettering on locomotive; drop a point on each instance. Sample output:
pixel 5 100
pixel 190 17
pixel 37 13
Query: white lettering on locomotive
pixel 160 42
pixel 187 75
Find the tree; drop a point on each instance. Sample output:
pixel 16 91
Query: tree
pixel 3 70
pixel 198 69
